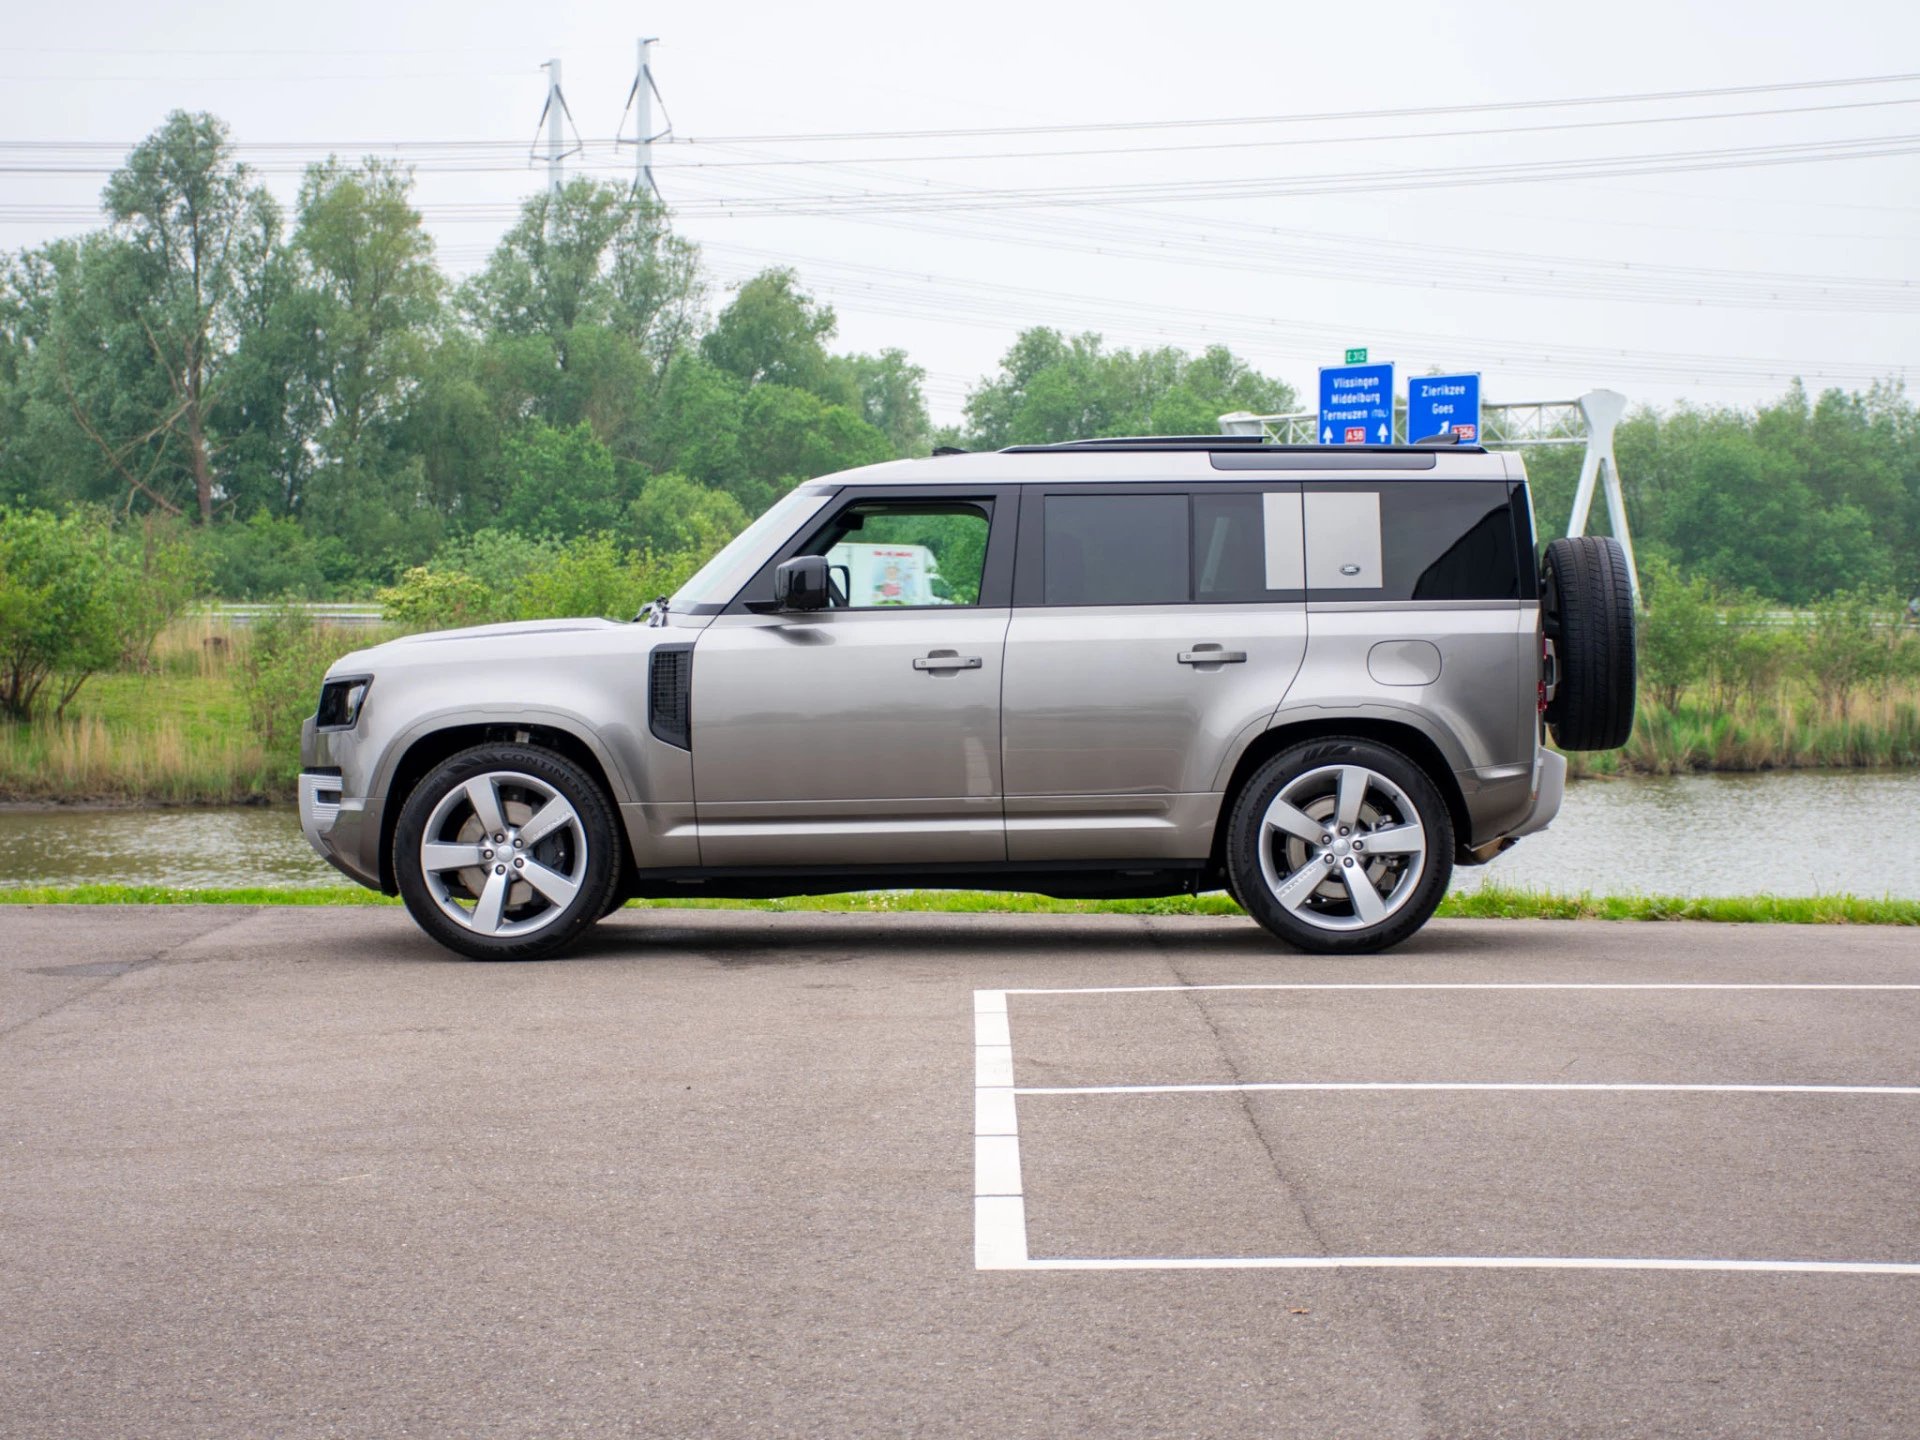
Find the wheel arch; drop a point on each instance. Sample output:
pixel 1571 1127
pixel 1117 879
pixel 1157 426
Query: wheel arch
pixel 431 748
pixel 1408 739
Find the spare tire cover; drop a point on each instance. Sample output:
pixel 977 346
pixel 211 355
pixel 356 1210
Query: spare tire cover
pixel 1586 603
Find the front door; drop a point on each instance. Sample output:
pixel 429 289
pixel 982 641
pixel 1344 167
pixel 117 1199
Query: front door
pixel 1155 630
pixel 867 733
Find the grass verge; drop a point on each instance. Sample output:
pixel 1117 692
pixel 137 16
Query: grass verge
pixel 1488 903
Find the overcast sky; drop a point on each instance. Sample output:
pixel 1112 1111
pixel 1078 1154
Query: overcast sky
pixel 1732 280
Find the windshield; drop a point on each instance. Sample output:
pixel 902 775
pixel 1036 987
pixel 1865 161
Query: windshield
pixel 720 579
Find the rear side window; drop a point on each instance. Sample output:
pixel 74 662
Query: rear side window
pixel 1211 545
pixel 1412 540
pixel 1117 550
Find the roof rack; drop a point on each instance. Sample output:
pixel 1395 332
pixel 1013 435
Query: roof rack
pixel 1241 444
pixel 1143 442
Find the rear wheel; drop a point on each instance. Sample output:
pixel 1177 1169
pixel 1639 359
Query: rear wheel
pixel 1340 846
pixel 506 852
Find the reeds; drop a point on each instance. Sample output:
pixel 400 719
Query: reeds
pixel 86 759
pixel 1780 730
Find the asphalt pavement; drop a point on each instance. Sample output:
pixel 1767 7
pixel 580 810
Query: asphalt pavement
pixel 297 1172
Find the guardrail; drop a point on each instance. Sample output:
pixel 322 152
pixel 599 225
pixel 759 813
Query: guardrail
pixel 242 612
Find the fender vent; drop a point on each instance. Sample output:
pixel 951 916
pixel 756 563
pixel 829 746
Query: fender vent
pixel 670 695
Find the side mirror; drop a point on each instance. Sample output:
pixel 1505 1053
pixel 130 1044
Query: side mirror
pixel 802 583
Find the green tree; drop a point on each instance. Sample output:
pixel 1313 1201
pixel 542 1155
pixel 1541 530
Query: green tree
pixel 146 327
pixel 891 399
pixel 595 255
pixel 1051 387
pixel 675 515
pixel 367 294
pixel 775 333
pixel 789 435
pixel 559 482
pixel 697 426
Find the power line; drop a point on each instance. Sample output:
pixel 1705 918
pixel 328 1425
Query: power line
pixel 925 296
pixel 1267 249
pixel 1307 117
pixel 1138 150
pixel 481 155
pixel 173 78
pixel 1350 182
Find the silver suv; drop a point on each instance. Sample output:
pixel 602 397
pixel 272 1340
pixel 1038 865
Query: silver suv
pixel 1316 678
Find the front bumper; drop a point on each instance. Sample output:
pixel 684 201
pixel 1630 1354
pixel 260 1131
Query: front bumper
pixel 335 824
pixel 320 808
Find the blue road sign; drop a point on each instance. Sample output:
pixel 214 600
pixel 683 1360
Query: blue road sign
pixel 1356 405
pixel 1444 404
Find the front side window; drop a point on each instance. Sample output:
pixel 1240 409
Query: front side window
pixel 897 553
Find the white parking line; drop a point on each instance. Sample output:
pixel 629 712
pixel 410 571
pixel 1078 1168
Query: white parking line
pixel 1472 1262
pixel 999 1211
pixel 1000 1219
pixel 1602 1086
pixel 1451 985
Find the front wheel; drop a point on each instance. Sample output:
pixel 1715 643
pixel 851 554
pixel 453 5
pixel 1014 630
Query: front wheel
pixel 506 852
pixel 1340 846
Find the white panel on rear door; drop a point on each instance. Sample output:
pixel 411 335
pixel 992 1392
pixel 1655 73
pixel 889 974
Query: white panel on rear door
pixel 1343 540
pixel 1280 514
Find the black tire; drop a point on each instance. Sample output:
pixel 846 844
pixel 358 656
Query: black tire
pixel 622 892
pixel 1326 918
pixel 585 854
pixel 1586 610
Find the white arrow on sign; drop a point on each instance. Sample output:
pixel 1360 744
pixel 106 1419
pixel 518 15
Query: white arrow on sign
pixel 1383 434
pixel 1326 436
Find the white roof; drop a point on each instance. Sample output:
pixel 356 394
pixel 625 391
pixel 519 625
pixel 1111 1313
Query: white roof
pixel 1054 466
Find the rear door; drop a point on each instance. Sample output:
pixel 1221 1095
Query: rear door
pixel 1155 629
pixel 867 733
pixel 1421 594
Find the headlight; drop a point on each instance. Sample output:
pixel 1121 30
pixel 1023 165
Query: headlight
pixel 340 702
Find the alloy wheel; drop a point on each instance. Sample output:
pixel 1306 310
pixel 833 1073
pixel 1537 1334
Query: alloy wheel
pixel 503 854
pixel 1342 848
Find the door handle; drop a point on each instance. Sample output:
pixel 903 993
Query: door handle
pixel 1212 655
pixel 947 660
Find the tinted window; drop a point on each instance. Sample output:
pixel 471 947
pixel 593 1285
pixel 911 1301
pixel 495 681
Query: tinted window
pixel 1229 547
pixel 1438 541
pixel 1116 550
pixel 1450 542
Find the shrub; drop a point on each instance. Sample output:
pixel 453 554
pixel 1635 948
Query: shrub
pixel 676 514
pixel 58 605
pixel 279 679
pixel 495 575
pixel 266 557
pixel 591 577
pixel 154 573
pixel 500 559
pixel 1843 650
pixel 432 597
pixel 1679 636
pixel 1753 657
